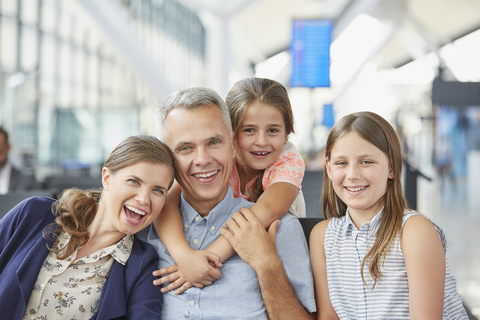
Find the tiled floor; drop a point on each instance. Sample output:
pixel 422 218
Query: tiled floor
pixel 451 205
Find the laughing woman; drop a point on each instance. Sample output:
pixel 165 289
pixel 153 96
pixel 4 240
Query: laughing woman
pixel 77 258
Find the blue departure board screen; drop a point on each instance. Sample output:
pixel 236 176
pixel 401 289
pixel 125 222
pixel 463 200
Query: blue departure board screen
pixel 310 53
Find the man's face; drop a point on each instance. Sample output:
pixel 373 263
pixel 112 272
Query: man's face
pixel 4 148
pixel 203 150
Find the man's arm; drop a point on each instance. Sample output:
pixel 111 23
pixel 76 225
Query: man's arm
pixel 257 248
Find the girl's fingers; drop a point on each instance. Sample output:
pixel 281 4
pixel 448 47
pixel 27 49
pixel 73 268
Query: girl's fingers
pixel 187 285
pixel 169 278
pixel 167 270
pixel 173 285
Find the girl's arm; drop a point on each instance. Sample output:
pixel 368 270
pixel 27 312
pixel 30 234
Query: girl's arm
pixel 271 206
pixel 195 265
pixel 319 267
pixel 425 264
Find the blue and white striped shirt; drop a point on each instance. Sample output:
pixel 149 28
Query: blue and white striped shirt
pixel 349 295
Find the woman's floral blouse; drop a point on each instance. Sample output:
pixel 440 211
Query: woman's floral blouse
pixel 69 288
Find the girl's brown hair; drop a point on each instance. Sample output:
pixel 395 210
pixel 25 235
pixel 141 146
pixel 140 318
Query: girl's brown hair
pixel 377 131
pixel 76 209
pixel 265 91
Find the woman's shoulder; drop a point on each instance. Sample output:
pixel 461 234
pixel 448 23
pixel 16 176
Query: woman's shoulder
pixel 142 250
pixel 31 215
pixel 36 206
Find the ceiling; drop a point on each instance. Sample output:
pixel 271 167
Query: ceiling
pixel 264 26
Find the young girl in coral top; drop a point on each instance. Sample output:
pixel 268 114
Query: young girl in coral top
pixel 268 170
pixel 375 258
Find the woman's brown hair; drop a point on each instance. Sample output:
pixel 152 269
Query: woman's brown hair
pixel 76 209
pixel 265 91
pixel 377 131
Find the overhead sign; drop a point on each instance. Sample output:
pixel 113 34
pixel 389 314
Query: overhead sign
pixel 310 53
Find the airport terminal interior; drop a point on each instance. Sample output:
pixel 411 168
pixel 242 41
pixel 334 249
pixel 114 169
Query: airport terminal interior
pixel 78 76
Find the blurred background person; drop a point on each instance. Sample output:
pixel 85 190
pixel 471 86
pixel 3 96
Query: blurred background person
pixel 11 178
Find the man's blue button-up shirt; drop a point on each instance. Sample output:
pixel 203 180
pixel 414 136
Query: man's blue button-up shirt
pixel 236 295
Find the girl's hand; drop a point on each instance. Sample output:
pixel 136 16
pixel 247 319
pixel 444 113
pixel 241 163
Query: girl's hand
pixel 200 267
pixel 173 275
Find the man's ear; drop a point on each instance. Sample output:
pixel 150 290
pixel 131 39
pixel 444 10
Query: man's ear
pixel 106 178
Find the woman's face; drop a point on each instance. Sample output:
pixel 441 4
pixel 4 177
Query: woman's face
pixel 135 195
pixel 261 136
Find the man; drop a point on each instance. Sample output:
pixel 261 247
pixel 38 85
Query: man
pixel 195 124
pixel 12 179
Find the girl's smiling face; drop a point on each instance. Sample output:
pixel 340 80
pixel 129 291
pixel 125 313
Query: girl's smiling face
pixel 261 136
pixel 359 172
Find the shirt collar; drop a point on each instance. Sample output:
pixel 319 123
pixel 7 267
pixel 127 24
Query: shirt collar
pixel 372 225
pixel 216 218
pixel 119 251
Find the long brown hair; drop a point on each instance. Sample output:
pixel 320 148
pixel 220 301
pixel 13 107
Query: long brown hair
pixel 265 91
pixel 377 131
pixel 76 209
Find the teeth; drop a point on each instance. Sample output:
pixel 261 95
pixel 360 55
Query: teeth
pixel 205 175
pixel 355 189
pixel 261 153
pixel 135 210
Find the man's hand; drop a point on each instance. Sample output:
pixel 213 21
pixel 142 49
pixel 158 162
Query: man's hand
pixel 257 247
pixel 250 239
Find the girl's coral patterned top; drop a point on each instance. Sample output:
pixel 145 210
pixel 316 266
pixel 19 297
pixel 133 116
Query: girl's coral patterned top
pixel 289 167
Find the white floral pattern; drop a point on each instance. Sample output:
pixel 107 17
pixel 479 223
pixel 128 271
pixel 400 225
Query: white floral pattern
pixel 69 288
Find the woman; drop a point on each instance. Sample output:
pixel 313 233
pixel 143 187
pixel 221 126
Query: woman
pixel 82 261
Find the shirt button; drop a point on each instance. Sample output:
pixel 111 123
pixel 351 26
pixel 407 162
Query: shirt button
pixel 191 303
pixel 61 268
pixel 33 317
pixel 195 241
pixel 185 226
pixel 42 285
pixel 197 218
pixel 213 228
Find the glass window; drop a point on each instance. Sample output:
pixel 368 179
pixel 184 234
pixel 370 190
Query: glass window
pixel 65 22
pixel 65 65
pixel 29 11
pixel 79 78
pixel 8 7
pixel 65 68
pixel 8 43
pixel 29 49
pixel 48 56
pixel 92 81
pixel 48 16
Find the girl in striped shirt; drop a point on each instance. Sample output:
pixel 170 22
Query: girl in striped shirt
pixel 374 258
